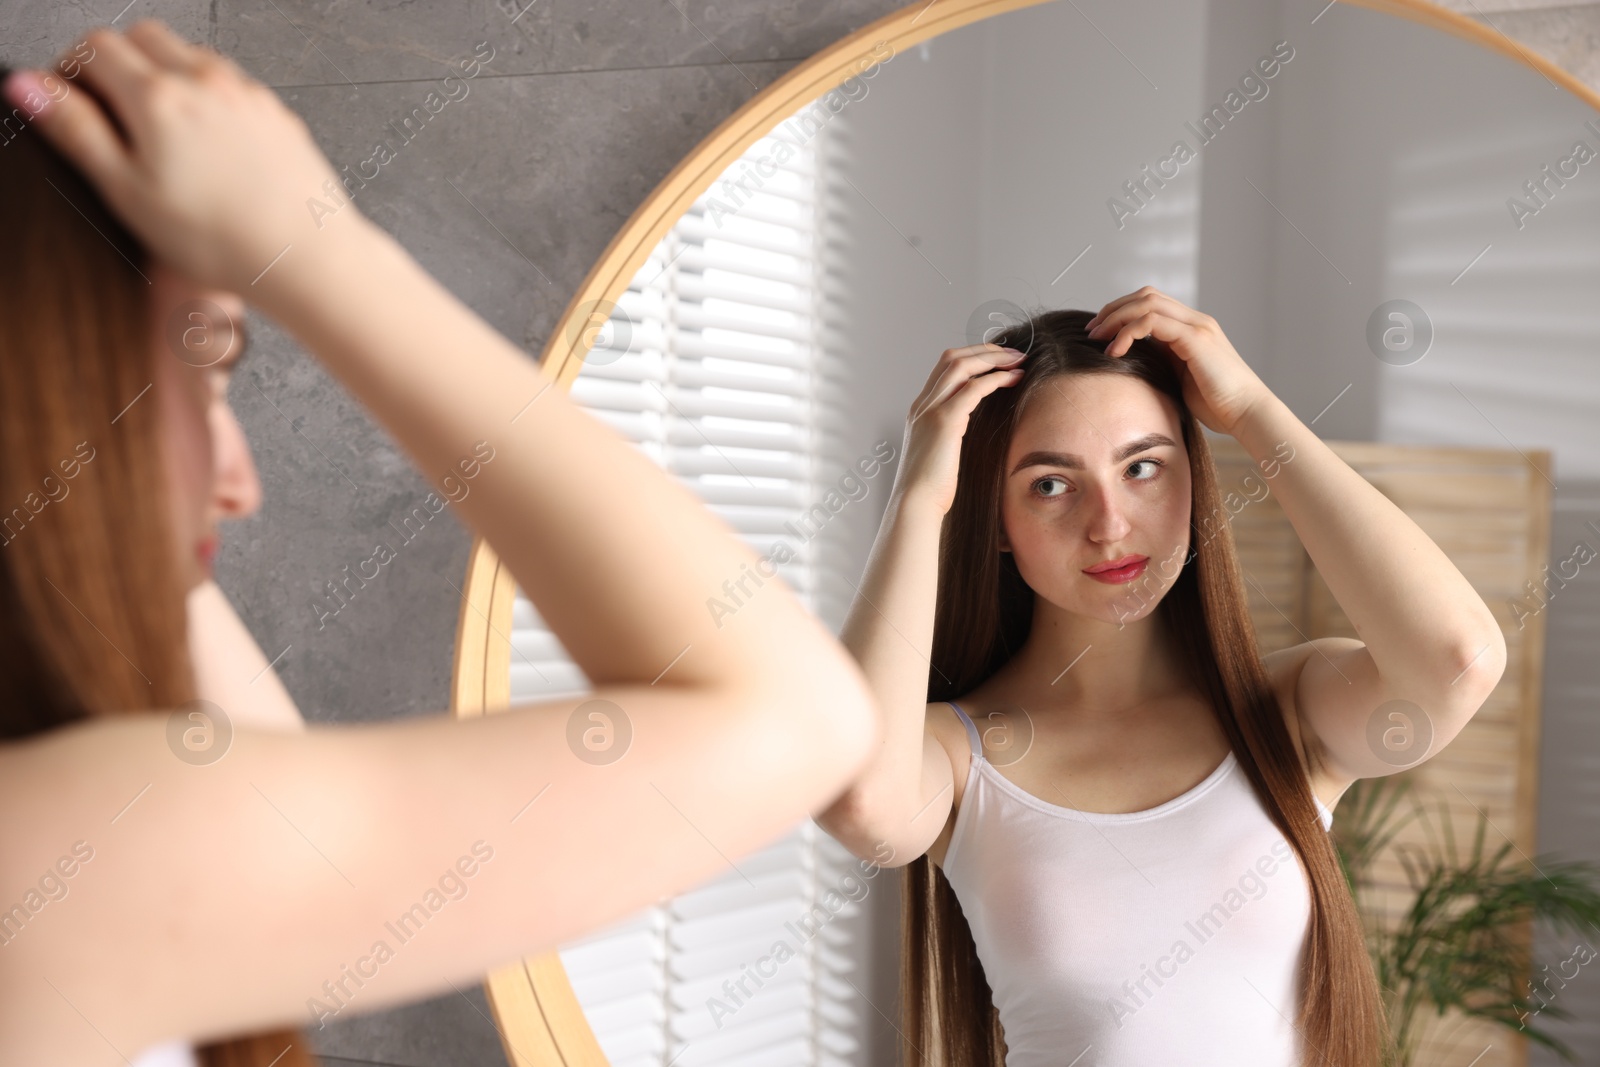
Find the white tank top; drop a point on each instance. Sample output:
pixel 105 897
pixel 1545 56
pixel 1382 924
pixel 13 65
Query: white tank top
pixel 1167 935
pixel 167 1054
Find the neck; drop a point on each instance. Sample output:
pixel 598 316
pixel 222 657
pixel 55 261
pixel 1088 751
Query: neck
pixel 1097 668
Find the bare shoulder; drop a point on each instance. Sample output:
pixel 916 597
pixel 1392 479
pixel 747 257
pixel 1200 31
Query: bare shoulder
pixel 1283 667
pixel 945 727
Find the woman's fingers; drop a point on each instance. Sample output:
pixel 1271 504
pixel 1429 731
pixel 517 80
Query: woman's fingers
pixel 1156 324
pixel 73 121
pixel 956 367
pixel 165 48
pixel 207 167
pixel 1100 316
pixel 120 74
pixel 962 378
pixel 931 387
pixel 966 398
pixel 91 123
pixel 172 52
pixel 1144 293
pixel 1125 308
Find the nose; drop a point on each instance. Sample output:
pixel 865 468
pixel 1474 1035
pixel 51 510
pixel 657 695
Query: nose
pixel 237 488
pixel 1107 523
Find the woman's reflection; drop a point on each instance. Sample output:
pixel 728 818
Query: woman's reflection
pixel 1080 733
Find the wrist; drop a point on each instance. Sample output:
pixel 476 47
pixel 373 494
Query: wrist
pixel 1264 426
pixel 320 268
pixel 1259 401
pixel 916 503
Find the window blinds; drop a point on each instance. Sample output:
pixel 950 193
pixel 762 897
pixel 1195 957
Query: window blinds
pixel 710 366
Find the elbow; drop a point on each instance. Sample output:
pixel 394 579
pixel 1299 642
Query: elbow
pixel 1478 664
pixel 852 821
pixel 841 820
pixel 848 811
pixel 846 725
pixel 844 705
pixel 823 727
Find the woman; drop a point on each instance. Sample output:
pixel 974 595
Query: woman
pixel 1106 861
pixel 162 892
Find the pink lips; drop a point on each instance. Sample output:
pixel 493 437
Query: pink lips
pixel 207 550
pixel 1117 571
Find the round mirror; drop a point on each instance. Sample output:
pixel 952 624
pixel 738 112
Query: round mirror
pixel 1384 205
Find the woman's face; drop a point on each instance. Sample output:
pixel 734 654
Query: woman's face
pixel 199 334
pixel 1079 490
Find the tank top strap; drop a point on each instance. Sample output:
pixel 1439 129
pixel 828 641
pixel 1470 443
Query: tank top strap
pixel 973 738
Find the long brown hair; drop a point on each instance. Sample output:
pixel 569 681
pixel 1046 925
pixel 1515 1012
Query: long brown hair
pixel 983 615
pixel 92 614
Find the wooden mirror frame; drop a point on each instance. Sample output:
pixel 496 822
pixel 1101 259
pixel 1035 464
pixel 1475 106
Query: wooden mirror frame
pixel 538 1015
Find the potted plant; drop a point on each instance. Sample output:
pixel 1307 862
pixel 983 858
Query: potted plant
pixel 1460 944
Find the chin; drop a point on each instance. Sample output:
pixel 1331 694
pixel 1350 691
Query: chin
pixel 1121 604
pixel 193 572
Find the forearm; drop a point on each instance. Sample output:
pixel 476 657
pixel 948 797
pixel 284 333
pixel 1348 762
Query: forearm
pixel 230 669
pixel 889 632
pixel 1419 617
pixel 621 561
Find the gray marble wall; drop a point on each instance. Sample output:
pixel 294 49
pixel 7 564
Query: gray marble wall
pixel 508 195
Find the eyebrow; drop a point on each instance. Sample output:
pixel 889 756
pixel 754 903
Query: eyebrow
pixel 1075 463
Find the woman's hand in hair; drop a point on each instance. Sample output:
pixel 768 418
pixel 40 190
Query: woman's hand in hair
pixel 201 162
pixel 938 419
pixel 1218 385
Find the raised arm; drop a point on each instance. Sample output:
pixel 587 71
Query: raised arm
pixel 1430 650
pixel 306 872
pixel 899 804
pixel 230 669
pixel 1427 637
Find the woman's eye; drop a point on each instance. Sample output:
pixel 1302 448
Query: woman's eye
pixel 1046 481
pixel 1156 463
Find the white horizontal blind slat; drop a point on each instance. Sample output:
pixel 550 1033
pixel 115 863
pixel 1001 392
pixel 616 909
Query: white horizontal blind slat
pixel 708 367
